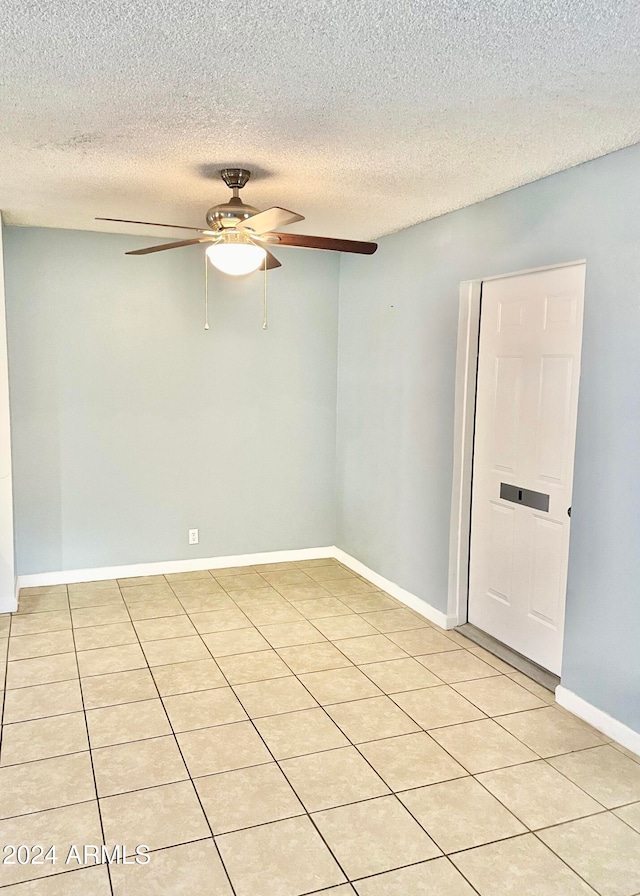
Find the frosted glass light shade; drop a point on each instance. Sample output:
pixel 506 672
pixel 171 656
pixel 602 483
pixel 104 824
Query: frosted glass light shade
pixel 236 258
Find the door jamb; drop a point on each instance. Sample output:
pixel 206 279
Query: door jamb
pixel 463 434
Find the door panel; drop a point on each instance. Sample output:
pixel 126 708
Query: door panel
pixel 526 406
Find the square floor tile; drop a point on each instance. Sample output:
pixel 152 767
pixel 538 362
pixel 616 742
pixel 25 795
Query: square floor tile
pixel 267 698
pixel 39 701
pixel 413 760
pixel 204 709
pixel 111 659
pixel 348 587
pixel 630 814
pixel 219 620
pixel 303 592
pixel 213 602
pixel 546 695
pixel 147 593
pixel 437 877
pixel 604 773
pixel 273 567
pixel 154 609
pixel 43 590
pixel 142 763
pixel 374 836
pixel 42 603
pixel 498 696
pixel 337 627
pixel 45 784
pixel 436 707
pixel 244 640
pixel 287 857
pixel 491 660
pixel 182 678
pixel 157 816
pixel 457 665
pixel 332 778
pixel 521 865
pixel 286 577
pixel 326 572
pixel 370 602
pixel 42 670
pixel 602 850
pixel 420 641
pixel 98 585
pixel 62 828
pixel 105 636
pixel 256 666
pixel 371 719
pixel 256 597
pixel 320 607
pixel 461 814
pixel 370 649
pixel 141 580
pixel 291 634
pixel 339 685
pixel 247 797
pixel 164 627
pixel 551 731
pixel 34 623
pixel 482 746
pixel 313 658
pixel 191 587
pixel 27 647
pixel 126 722
pixel 300 733
pixel 105 597
pixel 175 650
pixel 272 614
pixel 538 795
pixel 194 869
pixel 76 882
pixel 406 674
pixel 91 616
pixel 43 738
pixel 208 751
pixel 118 687
pixel 395 620
pixel 195 575
pixel 241 582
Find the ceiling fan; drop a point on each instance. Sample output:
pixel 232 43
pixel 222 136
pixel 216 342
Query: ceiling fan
pixel 239 234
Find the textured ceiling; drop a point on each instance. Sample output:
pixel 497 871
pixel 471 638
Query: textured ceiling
pixel 366 116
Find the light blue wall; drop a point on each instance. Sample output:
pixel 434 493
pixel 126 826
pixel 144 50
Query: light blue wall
pixel 397 348
pixel 131 424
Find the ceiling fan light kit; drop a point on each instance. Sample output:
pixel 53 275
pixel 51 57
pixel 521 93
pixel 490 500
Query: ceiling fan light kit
pixel 239 234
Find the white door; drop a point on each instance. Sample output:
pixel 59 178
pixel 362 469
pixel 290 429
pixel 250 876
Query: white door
pixel 526 407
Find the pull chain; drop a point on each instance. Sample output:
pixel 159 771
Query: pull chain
pixel 206 292
pixel 265 322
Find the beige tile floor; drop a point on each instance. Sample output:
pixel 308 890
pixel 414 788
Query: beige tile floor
pixel 290 729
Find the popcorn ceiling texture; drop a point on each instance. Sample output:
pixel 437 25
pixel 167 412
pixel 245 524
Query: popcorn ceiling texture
pixel 366 116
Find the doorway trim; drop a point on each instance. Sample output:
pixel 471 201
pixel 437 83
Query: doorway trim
pixel 463 434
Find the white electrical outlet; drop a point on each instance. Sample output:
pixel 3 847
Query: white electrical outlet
pixel 193 536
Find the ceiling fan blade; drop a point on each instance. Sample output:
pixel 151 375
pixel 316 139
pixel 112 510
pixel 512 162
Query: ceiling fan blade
pixel 200 239
pixel 267 220
pixel 324 242
pixel 155 224
pixel 270 262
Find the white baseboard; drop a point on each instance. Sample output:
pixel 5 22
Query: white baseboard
pixel 411 600
pixel 599 719
pixel 166 567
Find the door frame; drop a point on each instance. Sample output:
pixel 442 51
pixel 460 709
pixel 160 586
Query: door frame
pixel 463 436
